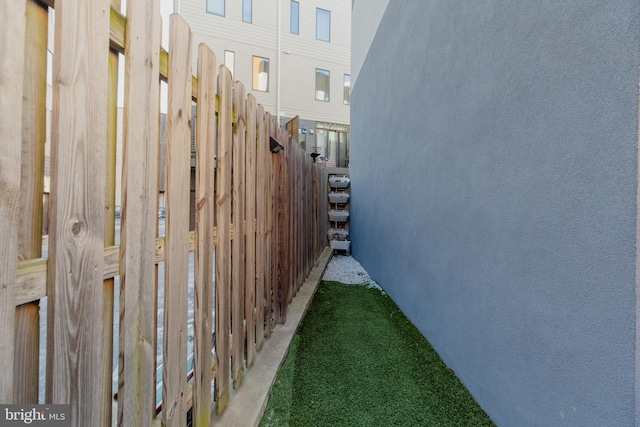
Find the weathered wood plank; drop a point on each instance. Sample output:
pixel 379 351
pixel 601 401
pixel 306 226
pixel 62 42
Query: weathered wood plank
pixel 177 224
pixel 76 355
pixel 137 340
pixel 12 39
pixel 27 328
pixel 238 243
pixel 280 224
pixel 250 276
pixel 261 218
pixel 110 206
pixel 205 193
pixel 223 248
pixel 32 274
pixel 269 184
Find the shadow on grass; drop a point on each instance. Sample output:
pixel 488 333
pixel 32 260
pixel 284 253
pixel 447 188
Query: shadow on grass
pixel 358 361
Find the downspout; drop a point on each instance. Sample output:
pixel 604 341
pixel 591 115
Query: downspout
pixel 279 59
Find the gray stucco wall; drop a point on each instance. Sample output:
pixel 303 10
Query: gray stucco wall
pixel 494 168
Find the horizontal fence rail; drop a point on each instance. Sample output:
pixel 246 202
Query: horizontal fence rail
pixel 252 219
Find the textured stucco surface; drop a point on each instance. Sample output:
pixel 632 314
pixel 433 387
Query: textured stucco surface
pixel 494 168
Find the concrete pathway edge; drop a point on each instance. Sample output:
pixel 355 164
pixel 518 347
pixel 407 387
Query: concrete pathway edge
pixel 247 404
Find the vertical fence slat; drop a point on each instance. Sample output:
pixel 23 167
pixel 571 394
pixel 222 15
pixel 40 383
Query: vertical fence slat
pixel 250 275
pixel 268 124
pixel 136 403
pixel 177 225
pixel 110 206
pixel 12 38
pixel 27 327
pixel 276 162
pixel 76 349
pixel 223 248
pixel 283 229
pixel 292 222
pixel 238 243
pixel 261 218
pixel 205 192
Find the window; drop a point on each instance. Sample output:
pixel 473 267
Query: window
pixel 230 60
pixel 347 89
pixel 323 24
pixel 247 10
pixel 216 7
pixel 261 74
pixel 322 85
pixel 294 28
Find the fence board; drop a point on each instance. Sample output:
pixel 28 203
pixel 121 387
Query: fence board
pixel 137 348
pixel 238 243
pixel 177 224
pixel 250 235
pixel 205 192
pixel 270 182
pixel 110 206
pixel 27 327
pixel 76 349
pixel 223 248
pixel 12 38
pixel 261 219
pixel 283 216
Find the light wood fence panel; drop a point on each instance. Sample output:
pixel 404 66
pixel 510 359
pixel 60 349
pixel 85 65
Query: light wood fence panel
pixel 266 235
pixel 223 247
pixel 110 206
pixel 137 340
pixel 76 348
pixel 12 42
pixel 238 243
pixel 205 193
pixel 177 196
pixel 27 328
pixel 250 276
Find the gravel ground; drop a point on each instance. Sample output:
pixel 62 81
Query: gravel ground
pixel 347 270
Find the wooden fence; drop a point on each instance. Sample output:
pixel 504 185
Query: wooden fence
pixel 257 210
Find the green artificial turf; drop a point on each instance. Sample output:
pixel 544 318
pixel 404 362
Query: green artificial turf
pixel 358 361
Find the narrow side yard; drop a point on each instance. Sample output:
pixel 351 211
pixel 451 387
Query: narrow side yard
pixel 356 360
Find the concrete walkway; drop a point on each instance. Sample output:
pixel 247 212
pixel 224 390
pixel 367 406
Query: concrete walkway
pixel 247 404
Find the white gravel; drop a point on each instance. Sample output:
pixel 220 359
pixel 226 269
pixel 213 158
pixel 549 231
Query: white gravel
pixel 347 270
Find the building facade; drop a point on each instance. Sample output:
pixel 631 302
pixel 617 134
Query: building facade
pixel 294 56
pixel 495 195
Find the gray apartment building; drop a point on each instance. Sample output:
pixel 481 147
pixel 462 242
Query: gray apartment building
pixel 294 56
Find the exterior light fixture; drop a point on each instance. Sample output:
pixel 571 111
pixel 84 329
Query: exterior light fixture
pixel 274 145
pixel 314 156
